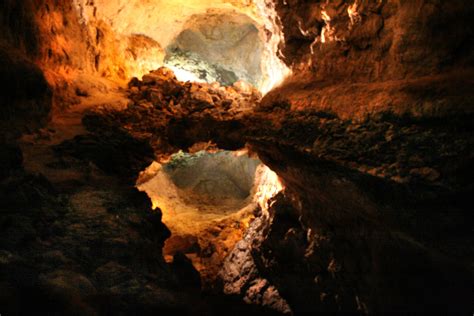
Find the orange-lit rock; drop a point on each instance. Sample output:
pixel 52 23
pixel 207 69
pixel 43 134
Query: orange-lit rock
pixel 367 209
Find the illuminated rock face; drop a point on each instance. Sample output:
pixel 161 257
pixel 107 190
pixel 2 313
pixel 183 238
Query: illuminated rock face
pixel 217 176
pixel 374 216
pixel 122 39
pixel 355 58
pixel 200 188
pixel 227 41
pixel 220 41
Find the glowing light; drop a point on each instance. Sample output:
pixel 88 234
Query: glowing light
pixel 142 67
pixel 328 33
pixel 303 32
pixel 269 185
pixel 241 152
pixel 274 69
pixel 184 75
pixel 354 16
pixel 141 17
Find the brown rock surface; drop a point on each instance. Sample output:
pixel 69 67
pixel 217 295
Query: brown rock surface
pixel 371 137
pixel 405 57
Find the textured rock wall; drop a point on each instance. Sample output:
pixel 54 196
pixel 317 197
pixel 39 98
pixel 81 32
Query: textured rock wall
pixel 385 40
pixel 355 243
pixel 42 46
pixel 400 56
pixel 227 39
pixel 368 240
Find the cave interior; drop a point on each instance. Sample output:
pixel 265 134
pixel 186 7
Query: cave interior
pixel 267 157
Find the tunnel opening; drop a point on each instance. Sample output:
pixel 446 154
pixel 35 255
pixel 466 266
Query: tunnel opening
pixel 201 41
pixel 208 200
pixel 218 46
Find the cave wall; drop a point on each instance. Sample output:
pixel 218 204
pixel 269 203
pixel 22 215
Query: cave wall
pixel 399 56
pixel 62 56
pixel 402 56
pixel 163 21
pixel 225 39
pixel 364 240
pixel 76 42
pixel 43 47
pixel 25 96
pixel 359 244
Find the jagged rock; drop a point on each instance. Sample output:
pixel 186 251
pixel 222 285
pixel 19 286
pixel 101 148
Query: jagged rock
pixel 164 74
pixel 202 98
pixel 134 83
pixel 243 269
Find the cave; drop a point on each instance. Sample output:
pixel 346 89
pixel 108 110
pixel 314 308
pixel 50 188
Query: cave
pixel 260 157
pixel 215 46
pixel 197 193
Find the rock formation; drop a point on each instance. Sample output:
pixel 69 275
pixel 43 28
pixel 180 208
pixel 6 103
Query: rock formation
pixel 370 137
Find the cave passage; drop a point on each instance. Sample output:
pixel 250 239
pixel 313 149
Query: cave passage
pixel 218 46
pixel 345 184
pixel 207 199
pixel 201 41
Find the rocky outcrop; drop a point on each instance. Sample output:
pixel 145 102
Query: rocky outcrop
pixel 375 56
pixel 244 274
pixel 81 243
pixel 170 114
